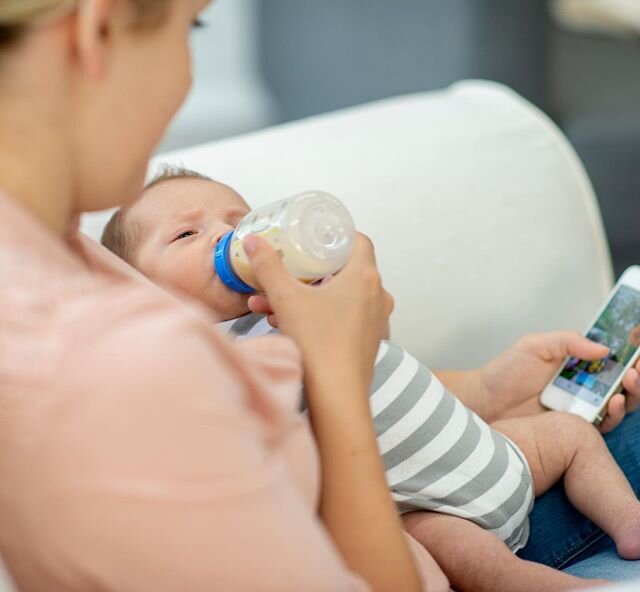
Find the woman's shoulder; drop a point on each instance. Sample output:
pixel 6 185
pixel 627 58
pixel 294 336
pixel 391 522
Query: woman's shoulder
pixel 133 337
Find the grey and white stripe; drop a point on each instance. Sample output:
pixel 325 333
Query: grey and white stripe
pixel 438 455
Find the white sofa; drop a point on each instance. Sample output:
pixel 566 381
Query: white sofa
pixel 485 222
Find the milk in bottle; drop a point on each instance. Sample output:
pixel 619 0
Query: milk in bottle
pixel 312 232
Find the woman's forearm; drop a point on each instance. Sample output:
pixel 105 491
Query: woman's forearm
pixel 337 327
pixel 355 505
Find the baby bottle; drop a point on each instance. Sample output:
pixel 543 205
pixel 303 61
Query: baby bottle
pixel 312 232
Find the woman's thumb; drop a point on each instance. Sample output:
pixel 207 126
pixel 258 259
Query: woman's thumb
pixel 266 265
pixel 581 347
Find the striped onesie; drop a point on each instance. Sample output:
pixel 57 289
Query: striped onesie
pixel 438 455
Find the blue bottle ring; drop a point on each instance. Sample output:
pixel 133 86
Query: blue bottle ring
pixel 223 267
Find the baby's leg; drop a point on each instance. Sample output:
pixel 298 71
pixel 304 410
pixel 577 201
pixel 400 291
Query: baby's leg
pixel 476 560
pixel 557 444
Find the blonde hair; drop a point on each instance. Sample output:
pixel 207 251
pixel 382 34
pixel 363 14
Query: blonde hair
pixel 23 12
pixel 18 15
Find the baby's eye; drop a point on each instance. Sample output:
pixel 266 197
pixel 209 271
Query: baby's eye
pixel 186 234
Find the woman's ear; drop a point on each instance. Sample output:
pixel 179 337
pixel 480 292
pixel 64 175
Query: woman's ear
pixel 95 25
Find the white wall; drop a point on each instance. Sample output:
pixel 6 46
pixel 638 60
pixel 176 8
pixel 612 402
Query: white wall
pixel 228 96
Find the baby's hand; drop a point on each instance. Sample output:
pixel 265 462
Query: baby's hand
pixel 259 304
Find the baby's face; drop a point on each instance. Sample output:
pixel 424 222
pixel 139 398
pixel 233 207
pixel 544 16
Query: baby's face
pixel 179 223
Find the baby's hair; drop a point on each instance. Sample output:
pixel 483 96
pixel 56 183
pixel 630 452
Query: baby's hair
pixel 122 238
pixel 168 172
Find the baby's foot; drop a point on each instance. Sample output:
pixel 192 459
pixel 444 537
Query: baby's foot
pixel 627 536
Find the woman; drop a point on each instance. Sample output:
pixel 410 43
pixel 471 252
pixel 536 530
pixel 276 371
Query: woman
pixel 141 450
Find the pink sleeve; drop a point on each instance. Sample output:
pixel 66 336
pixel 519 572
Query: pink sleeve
pixel 167 479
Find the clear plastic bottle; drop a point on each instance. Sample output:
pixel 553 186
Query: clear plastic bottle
pixel 312 232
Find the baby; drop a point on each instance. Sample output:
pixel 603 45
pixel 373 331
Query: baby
pixel 476 482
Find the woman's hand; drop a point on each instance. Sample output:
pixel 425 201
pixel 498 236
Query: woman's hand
pixel 511 383
pixel 337 320
pixel 338 326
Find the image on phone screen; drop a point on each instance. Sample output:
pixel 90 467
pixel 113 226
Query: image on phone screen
pixel 618 327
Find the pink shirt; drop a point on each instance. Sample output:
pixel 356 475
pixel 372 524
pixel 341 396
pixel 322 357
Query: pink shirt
pixel 140 450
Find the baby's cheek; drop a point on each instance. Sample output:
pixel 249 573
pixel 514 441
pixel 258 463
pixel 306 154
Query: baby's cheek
pixel 183 273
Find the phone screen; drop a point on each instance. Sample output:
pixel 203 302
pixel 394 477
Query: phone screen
pixel 618 327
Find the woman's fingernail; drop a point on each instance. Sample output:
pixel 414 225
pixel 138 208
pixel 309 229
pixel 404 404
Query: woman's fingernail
pixel 250 244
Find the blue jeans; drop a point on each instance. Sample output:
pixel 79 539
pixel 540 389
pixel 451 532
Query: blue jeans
pixel 563 538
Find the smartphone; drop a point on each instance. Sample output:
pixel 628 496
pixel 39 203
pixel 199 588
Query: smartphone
pixel 585 387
